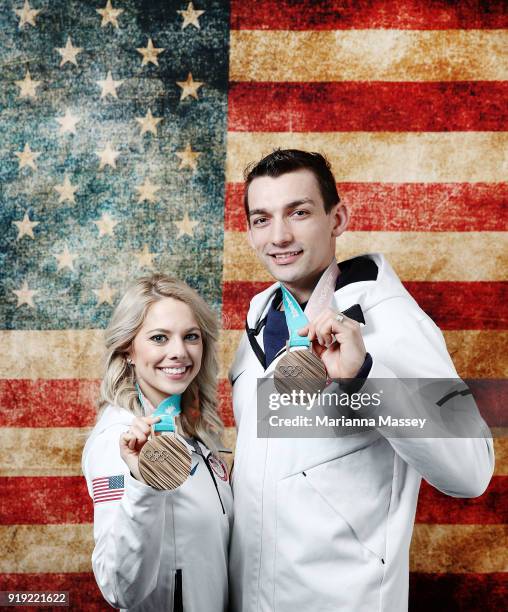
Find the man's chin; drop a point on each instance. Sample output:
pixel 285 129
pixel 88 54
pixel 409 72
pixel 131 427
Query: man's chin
pixel 285 273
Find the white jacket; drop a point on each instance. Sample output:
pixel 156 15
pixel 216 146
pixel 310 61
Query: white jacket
pixel 325 524
pixel 154 549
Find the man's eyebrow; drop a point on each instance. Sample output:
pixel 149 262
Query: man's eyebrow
pixel 289 205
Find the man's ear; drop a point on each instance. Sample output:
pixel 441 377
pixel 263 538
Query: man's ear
pixel 340 219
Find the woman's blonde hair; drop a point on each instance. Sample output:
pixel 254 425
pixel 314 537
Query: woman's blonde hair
pixel 118 386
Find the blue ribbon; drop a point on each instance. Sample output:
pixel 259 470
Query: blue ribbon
pixel 295 319
pixel 167 410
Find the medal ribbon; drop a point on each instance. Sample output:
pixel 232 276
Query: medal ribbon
pixel 321 297
pixel 167 410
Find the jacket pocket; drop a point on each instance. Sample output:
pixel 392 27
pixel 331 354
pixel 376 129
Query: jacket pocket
pixel 357 487
pixel 178 594
pixel 331 532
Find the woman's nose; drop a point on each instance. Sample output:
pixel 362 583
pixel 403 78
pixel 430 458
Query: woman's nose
pixel 176 347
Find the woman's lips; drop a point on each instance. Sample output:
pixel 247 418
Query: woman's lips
pixel 175 373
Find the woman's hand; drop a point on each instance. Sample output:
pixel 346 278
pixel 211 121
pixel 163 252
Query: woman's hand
pixel 133 440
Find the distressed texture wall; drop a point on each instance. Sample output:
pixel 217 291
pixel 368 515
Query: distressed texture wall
pixel 126 126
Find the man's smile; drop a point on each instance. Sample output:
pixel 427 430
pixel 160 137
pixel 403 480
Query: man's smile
pixel 286 257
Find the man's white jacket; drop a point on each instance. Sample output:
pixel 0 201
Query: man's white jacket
pixel 325 524
pixel 157 550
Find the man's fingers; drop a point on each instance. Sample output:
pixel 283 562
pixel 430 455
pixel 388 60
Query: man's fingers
pixel 304 331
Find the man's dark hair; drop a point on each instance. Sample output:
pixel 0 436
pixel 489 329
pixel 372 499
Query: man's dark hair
pixel 282 161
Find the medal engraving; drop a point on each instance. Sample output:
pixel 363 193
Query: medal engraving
pixel 300 370
pixel 164 462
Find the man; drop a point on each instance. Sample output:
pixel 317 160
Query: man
pixel 325 523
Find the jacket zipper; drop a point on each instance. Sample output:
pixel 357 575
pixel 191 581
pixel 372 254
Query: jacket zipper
pixel 215 483
pixel 205 459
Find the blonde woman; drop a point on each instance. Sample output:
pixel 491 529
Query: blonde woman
pixel 159 550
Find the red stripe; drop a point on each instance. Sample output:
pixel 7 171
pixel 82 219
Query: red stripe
pixel 458 592
pixel 491 508
pixel 225 405
pixel 65 499
pixel 99 500
pixel 363 14
pixel 48 403
pixel 45 500
pixel 407 207
pixel 84 594
pixel 452 305
pixel 468 305
pixel 368 107
pixel 451 592
pixel 60 403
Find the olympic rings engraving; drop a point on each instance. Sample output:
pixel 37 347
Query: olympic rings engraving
pixel 290 370
pixel 163 455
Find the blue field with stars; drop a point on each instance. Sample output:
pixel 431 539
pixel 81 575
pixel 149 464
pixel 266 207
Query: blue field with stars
pixel 112 159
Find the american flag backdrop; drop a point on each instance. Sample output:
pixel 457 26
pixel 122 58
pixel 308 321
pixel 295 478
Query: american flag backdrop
pixel 126 125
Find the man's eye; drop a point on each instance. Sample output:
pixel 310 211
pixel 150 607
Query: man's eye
pixel 159 338
pixel 300 213
pixel 259 221
pixel 192 337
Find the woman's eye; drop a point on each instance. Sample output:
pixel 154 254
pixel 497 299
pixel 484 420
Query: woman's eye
pixel 159 338
pixel 192 337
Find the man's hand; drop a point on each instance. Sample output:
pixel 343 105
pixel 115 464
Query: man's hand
pixel 133 440
pixel 338 344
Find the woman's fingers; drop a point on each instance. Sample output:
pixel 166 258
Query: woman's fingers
pixel 137 434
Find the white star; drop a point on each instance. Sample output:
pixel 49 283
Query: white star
pixel 27 15
pixel 147 191
pixel 186 226
pixel 109 15
pixel 25 227
pixel 66 190
pixel 105 294
pixel 190 16
pixel 148 123
pixel 68 122
pixel 150 53
pixel 25 295
pixel 145 258
pixel 188 158
pixel 65 259
pixel 69 53
pixel 27 87
pixel 106 225
pixel 27 157
pixel 108 156
pixel 109 86
pixel 189 87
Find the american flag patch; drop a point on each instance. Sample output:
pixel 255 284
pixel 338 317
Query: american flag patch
pixel 107 488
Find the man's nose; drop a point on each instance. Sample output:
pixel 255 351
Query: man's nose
pixel 281 232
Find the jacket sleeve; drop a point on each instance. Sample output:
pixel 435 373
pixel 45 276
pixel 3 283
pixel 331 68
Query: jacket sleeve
pixel 459 457
pixel 127 532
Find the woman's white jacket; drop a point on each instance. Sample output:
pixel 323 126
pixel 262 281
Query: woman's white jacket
pixel 158 550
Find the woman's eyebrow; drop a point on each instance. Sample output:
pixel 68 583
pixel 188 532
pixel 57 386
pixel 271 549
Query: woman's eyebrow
pixel 167 331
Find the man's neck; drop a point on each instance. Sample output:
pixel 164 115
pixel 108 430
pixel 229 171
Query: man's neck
pixel 302 290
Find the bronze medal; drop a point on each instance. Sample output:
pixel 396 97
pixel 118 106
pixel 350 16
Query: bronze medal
pixel 164 462
pixel 299 370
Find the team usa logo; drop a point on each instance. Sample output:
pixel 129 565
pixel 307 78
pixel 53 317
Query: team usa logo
pixel 218 467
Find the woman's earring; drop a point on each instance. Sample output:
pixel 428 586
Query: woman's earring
pixel 129 361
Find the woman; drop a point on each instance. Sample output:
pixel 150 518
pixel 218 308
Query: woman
pixel 159 550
